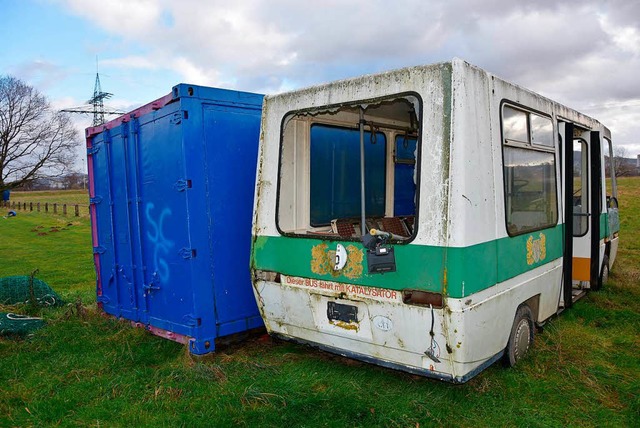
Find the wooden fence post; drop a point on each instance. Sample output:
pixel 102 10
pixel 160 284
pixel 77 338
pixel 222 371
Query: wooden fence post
pixel 30 206
pixel 24 206
pixel 46 207
pixel 55 208
pixel 64 209
pixel 38 206
pixel 77 210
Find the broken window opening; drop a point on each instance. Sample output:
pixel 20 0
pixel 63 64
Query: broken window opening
pixel 319 189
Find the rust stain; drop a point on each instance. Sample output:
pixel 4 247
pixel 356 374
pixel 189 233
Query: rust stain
pixel 345 325
pixel 322 260
pixel 353 269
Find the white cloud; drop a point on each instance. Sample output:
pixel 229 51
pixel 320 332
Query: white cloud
pixel 583 53
pixel 135 18
pixel 39 73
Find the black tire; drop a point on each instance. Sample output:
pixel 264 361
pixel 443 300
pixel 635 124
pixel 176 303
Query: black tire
pixel 603 278
pixel 521 337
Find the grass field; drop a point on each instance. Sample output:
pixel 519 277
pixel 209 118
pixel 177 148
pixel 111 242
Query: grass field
pixel 70 197
pixel 85 369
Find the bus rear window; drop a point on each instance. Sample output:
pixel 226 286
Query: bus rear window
pixel 319 189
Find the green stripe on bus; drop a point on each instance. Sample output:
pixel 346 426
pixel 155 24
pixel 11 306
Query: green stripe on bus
pixel 469 269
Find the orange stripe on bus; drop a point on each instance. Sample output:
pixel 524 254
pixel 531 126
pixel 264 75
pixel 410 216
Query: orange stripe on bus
pixel 581 269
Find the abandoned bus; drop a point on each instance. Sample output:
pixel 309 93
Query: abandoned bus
pixel 427 219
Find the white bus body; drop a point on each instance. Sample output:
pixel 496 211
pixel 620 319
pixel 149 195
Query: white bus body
pixel 492 194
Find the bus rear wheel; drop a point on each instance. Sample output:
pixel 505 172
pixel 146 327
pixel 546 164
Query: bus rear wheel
pixel 521 337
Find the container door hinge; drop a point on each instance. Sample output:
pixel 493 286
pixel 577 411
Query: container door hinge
pixel 99 250
pixel 95 200
pixel 187 253
pixel 176 118
pixel 93 150
pixel 182 184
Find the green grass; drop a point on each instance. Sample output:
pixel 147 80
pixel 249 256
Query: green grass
pixel 86 369
pixel 70 197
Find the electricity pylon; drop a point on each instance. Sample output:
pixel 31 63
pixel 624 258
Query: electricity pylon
pixel 95 104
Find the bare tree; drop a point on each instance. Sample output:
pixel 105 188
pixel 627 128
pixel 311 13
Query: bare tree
pixel 621 165
pixel 35 140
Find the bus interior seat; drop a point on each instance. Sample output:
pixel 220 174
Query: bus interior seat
pixel 394 225
pixel 350 227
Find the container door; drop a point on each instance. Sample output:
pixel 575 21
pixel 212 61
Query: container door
pixel 163 223
pixel 102 226
pixel 111 200
pixel 231 140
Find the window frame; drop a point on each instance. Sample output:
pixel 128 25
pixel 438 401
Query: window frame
pixel 311 110
pixel 504 142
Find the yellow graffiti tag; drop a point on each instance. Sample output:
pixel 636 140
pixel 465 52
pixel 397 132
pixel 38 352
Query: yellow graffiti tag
pixel 536 249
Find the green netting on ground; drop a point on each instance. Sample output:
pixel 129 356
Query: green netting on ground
pixel 18 325
pixel 25 289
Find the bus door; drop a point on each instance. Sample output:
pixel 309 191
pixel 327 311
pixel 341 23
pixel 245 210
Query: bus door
pixel 613 219
pixel 581 212
pixel 581 189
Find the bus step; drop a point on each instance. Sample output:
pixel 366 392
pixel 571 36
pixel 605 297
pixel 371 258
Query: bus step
pixel 577 294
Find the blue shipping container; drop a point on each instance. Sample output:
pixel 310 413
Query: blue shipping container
pixel 171 190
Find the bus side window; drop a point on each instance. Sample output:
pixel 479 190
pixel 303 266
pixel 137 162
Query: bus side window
pixel 529 171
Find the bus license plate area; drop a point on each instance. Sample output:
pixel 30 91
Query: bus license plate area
pixel 340 312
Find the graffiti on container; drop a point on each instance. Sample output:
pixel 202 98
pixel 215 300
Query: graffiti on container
pixel 161 245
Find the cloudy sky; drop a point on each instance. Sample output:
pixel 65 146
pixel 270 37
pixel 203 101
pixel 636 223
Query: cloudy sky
pixel 582 53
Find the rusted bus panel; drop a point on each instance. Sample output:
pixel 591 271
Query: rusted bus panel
pixel 387 329
pixel 475 172
pixel 432 83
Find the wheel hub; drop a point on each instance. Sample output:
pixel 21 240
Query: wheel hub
pixel 522 339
